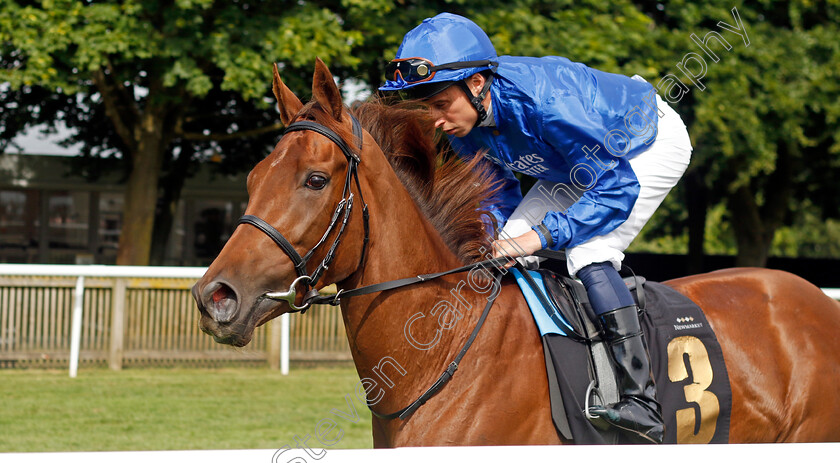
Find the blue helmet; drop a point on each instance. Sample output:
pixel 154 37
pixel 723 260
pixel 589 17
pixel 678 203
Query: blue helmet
pixel 440 51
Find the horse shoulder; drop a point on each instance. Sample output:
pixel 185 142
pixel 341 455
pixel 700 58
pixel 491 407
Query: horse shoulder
pixel 510 380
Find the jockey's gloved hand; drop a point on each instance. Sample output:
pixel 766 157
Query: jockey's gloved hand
pixel 519 248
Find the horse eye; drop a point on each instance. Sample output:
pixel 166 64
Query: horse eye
pixel 316 182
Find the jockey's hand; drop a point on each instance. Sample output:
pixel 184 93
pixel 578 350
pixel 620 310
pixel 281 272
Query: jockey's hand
pixel 521 246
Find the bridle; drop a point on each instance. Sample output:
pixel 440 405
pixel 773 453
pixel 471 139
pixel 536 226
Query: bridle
pixel 342 211
pixel 309 280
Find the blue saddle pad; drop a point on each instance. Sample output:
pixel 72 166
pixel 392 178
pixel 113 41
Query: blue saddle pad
pixel 547 318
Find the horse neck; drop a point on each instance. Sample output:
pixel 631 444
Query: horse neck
pixel 402 240
pixel 402 244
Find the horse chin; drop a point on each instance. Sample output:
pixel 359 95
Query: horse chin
pixel 233 340
pixel 234 334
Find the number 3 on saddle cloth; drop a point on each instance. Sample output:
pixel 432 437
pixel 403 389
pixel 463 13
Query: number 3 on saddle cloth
pixel 686 359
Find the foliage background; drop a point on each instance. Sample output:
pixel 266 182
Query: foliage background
pixel 166 85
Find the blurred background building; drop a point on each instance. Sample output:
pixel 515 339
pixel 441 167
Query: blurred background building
pixel 51 213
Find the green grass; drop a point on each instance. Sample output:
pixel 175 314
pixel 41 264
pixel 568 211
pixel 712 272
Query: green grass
pixel 175 409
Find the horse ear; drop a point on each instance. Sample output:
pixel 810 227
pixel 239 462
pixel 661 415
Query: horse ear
pixel 325 91
pixel 287 102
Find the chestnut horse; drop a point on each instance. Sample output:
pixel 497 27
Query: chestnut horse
pixel 778 332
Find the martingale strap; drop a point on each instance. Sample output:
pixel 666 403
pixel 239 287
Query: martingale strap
pixel 448 373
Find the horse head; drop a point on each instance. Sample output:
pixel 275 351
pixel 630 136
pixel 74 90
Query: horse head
pixel 304 200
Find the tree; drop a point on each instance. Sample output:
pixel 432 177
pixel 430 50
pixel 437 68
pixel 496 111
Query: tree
pixel 164 85
pixel 170 84
pixel 766 133
pixel 152 70
pixel 764 124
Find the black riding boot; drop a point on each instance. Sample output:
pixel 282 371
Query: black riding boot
pixel 637 411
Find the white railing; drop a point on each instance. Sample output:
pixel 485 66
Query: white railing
pixel 103 271
pixel 833 293
pixel 122 271
pixel 80 272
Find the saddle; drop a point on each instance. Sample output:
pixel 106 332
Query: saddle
pixel 686 360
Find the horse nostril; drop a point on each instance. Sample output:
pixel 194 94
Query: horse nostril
pixel 224 292
pixel 223 304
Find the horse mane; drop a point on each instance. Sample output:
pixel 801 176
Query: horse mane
pixel 447 189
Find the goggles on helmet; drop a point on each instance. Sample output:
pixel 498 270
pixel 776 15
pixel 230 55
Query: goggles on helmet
pixel 417 70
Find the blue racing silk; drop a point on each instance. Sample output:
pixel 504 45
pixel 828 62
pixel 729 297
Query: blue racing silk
pixel 564 122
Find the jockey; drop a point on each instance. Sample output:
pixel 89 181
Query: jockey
pixel 604 148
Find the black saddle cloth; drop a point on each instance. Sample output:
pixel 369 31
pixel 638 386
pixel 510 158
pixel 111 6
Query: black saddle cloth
pixel 686 359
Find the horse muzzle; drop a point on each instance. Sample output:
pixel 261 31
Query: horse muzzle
pixel 219 305
pixel 230 312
